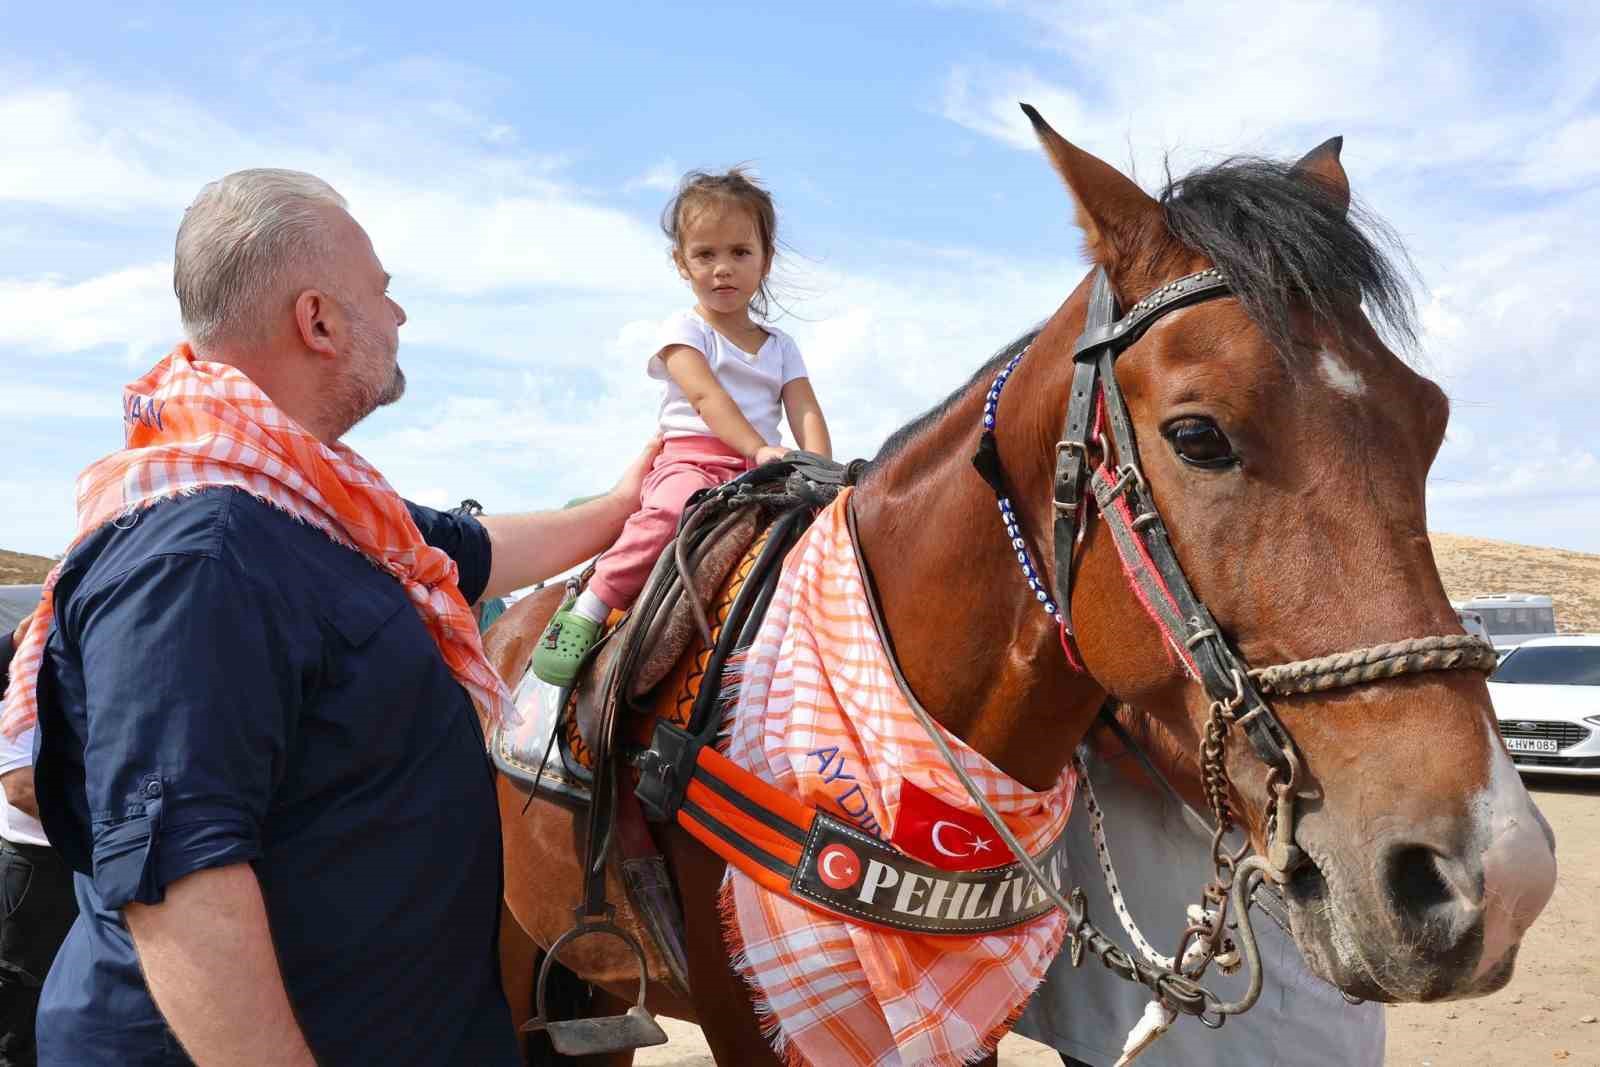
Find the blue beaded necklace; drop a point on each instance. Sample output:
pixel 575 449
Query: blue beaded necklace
pixel 988 465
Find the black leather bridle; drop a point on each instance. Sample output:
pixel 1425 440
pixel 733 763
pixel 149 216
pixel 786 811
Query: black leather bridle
pixel 1122 496
pixel 1222 671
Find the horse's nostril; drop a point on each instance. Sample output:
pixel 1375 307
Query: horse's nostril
pixel 1419 886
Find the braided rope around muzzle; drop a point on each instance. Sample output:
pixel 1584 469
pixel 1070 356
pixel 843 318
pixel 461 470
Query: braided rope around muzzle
pixel 1413 656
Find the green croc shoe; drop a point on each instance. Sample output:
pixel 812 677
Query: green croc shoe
pixel 565 641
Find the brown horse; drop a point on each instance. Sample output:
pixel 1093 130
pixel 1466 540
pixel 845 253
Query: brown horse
pixel 1288 448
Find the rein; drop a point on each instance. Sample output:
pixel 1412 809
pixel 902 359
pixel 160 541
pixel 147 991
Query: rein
pixel 1122 496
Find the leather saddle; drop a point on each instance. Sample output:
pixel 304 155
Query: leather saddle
pixel 662 663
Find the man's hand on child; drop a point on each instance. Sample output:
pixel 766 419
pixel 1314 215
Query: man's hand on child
pixel 768 453
pixel 632 481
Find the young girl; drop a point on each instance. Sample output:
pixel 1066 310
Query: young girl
pixel 726 374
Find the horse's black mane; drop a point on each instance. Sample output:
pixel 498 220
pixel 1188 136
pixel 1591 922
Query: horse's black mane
pixel 1282 241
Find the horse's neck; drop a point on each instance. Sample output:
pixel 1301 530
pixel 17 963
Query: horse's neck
pixel 972 643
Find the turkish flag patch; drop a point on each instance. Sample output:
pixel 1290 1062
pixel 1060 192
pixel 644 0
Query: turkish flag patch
pixel 945 836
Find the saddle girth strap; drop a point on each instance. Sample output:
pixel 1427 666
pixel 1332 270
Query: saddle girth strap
pixel 807 855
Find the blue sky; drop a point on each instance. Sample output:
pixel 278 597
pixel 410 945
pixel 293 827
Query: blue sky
pixel 511 164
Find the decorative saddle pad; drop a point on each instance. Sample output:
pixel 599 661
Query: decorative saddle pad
pixel 820 715
pixel 525 751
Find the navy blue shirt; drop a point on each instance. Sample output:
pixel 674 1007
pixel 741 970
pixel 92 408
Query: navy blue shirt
pixel 225 684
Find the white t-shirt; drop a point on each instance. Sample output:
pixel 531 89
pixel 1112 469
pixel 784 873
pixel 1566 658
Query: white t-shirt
pixel 754 380
pixel 15 824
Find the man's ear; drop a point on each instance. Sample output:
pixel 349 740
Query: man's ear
pixel 314 318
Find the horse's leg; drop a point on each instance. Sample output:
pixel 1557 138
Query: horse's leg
pixel 519 963
pixel 723 1001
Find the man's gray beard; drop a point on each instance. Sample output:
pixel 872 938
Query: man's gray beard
pixel 396 390
pixel 355 398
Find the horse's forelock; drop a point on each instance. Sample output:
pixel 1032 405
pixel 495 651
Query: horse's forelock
pixel 1285 242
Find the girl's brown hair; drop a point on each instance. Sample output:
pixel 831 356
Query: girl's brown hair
pixel 701 190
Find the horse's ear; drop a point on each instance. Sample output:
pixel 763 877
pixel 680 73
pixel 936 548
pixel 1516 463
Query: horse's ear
pixel 1321 165
pixel 1115 214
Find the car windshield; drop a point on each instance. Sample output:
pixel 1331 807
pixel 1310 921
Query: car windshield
pixel 1551 665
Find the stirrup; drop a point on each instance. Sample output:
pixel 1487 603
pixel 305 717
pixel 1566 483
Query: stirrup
pixel 636 1028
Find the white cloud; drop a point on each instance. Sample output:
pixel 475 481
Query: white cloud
pixel 1566 158
pixel 1483 157
pixel 663 176
pixel 89 151
pixel 880 351
pixel 483 218
pixel 532 299
pixel 1517 484
pixel 27 400
pixel 131 308
pixel 1237 76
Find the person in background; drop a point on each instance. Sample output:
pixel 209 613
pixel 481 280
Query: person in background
pixel 488 612
pixel 260 691
pixel 728 379
pixel 36 902
pixel 1161 849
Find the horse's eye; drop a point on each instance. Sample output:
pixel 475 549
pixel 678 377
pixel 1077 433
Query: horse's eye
pixel 1199 443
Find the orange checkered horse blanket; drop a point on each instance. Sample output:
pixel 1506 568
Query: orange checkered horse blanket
pixel 818 714
pixel 193 424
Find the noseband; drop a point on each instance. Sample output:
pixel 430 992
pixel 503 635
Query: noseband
pixel 1121 494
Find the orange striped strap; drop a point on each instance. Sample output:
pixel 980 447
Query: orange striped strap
pixel 810 856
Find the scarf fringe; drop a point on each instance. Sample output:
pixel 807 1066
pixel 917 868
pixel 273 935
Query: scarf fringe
pixel 728 699
pixel 771 1026
pixel 766 1019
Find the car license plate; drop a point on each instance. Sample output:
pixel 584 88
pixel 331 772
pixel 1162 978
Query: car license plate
pixel 1531 744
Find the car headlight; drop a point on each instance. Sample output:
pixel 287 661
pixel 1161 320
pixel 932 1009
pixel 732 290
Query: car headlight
pixel 1594 719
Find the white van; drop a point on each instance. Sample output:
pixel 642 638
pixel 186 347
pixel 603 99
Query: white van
pixel 1512 618
pixel 1472 622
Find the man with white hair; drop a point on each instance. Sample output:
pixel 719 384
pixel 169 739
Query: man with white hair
pixel 254 675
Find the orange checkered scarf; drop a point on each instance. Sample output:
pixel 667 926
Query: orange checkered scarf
pixel 819 714
pixel 193 424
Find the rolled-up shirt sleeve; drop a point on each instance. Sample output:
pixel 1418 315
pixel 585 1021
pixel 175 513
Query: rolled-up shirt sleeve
pixel 192 695
pixel 464 540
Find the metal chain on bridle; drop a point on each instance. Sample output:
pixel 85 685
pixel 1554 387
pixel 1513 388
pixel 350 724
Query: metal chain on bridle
pixel 1122 497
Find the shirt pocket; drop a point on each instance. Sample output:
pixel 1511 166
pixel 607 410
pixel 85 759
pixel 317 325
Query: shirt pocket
pixel 353 620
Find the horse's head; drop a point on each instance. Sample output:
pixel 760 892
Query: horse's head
pixel 1287 449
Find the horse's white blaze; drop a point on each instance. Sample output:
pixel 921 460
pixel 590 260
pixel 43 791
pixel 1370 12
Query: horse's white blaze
pixel 1339 374
pixel 1519 865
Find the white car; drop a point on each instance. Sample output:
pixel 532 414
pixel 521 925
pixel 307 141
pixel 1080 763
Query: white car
pixel 1546 694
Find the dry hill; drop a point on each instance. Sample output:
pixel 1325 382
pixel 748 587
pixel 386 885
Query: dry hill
pixel 1474 565
pixel 1469 565
pixel 19 568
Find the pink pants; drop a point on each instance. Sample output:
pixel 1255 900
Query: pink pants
pixel 685 465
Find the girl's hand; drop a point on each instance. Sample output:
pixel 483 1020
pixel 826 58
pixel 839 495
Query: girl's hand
pixel 768 453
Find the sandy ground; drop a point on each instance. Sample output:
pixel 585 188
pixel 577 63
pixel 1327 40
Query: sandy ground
pixel 1538 1019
